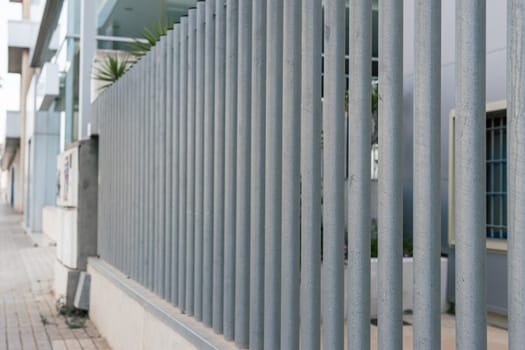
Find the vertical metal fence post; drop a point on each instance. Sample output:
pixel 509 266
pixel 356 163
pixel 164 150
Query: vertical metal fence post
pixel 242 216
pixel 114 227
pixel 390 186
pixel 273 165
pixel 128 171
pixel 359 134
pixel 142 172
pixel 151 179
pixel 101 225
pixel 176 117
pixel 145 173
pixel 190 199
pixel 291 174
pixel 134 170
pixel 113 255
pixel 516 173
pixel 124 174
pixel 168 167
pixel 161 161
pixel 111 172
pixel 107 240
pixel 258 110
pixel 218 165
pixel 132 188
pixel 209 125
pixel 183 110
pixel 333 182
pixel 132 71
pixel 109 138
pixel 146 123
pixel 116 230
pixel 114 251
pixel 310 294
pixel 470 175
pixel 100 190
pixel 104 191
pixel 232 21
pixel 155 145
pixel 165 164
pixel 199 158
pixel 126 81
pixel 122 185
pixel 427 175
pixel 118 172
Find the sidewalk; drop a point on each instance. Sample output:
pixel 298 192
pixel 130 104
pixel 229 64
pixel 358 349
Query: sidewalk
pixel 28 315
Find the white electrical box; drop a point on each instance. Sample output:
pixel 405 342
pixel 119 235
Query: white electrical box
pixel 67 178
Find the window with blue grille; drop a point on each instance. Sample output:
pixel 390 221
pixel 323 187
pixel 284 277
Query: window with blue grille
pixel 496 175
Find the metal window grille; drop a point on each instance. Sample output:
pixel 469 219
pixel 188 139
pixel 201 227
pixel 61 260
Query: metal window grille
pixel 497 175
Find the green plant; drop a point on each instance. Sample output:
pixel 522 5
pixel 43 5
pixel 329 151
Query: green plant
pixel 150 36
pixel 111 69
pixel 74 318
pixel 408 249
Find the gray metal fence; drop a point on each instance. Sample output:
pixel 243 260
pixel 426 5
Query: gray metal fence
pixel 211 192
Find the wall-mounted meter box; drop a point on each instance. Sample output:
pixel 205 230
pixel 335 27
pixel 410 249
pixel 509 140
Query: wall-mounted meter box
pixel 67 178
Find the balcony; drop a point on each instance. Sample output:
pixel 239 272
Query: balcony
pixel 20 35
pixel 47 87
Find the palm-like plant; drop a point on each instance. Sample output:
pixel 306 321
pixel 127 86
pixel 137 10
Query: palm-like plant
pixel 150 37
pixel 111 69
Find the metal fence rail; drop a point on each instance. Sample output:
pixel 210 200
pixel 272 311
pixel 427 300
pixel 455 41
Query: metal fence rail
pixel 222 172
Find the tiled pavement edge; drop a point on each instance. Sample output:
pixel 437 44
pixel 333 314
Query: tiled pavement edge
pixel 28 315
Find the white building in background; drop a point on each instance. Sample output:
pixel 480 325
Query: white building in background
pixel 46 49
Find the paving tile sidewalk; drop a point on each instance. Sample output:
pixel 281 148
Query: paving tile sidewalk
pixel 28 315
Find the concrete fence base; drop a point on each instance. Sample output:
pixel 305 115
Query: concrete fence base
pixel 131 317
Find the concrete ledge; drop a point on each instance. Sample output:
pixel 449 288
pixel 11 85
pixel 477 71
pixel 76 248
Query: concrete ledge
pixel 131 317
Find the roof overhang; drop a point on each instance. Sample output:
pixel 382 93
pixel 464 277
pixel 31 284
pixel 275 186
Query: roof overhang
pixel 49 22
pixel 10 148
pixel 12 139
